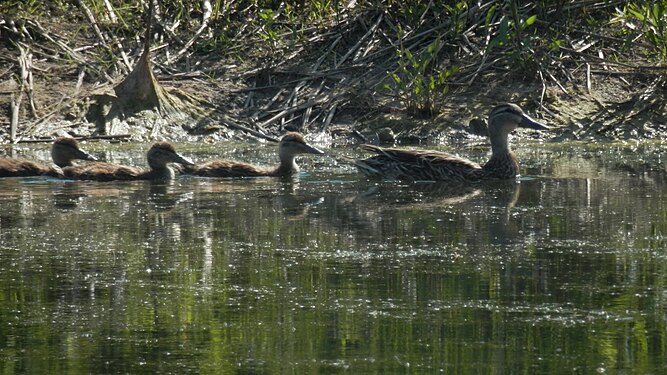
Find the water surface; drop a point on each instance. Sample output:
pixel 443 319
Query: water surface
pixel 563 272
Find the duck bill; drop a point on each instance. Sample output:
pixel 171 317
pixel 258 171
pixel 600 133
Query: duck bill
pixel 180 159
pixel 308 149
pixel 530 123
pixel 82 155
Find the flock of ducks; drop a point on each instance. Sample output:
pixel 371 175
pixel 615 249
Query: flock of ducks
pixel 388 163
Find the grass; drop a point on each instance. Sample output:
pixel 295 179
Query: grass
pixel 427 47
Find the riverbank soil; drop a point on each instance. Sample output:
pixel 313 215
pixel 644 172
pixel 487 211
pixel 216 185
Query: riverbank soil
pixel 258 69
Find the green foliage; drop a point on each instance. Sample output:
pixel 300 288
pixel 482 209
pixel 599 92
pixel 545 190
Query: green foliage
pixel 651 17
pixel 419 81
pixel 267 18
pixel 27 7
pixel 519 35
pixel 455 12
pixel 511 28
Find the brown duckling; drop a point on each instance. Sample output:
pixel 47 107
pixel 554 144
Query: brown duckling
pixel 159 156
pixel 291 145
pixel 63 152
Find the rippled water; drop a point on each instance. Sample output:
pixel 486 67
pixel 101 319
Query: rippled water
pixel 564 272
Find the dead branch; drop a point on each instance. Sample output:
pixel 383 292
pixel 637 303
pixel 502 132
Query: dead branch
pixel 110 12
pixel 92 21
pixel 208 10
pixel 15 109
pixel 117 137
pixel 363 39
pixel 230 123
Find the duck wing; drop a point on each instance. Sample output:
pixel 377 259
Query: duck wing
pixel 11 167
pixel 416 165
pixel 224 168
pixel 102 172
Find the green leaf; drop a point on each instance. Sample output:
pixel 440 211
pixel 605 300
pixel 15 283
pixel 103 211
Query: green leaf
pixel 432 47
pixel 530 20
pixel 489 16
pixel 396 78
pixel 636 14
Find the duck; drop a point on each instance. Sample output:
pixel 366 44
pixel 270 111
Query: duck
pixel 427 165
pixel 159 156
pixel 290 145
pixel 63 151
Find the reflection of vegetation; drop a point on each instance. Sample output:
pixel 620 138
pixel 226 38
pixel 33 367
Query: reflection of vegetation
pixel 572 276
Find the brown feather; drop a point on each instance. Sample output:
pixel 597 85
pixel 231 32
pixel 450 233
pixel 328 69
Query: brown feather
pixel 101 171
pixel 10 167
pixel 63 151
pixel 159 155
pixel 391 163
pixel 290 145
pixel 226 168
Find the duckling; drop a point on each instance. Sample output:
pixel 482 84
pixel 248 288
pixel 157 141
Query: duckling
pixel 291 145
pixel 63 152
pixel 159 155
pixel 397 164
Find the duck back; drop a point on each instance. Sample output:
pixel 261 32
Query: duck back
pixel 104 172
pixel 10 167
pixel 411 165
pixel 225 168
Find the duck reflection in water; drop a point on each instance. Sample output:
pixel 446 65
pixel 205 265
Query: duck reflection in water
pixel 162 195
pixel 63 152
pixel 464 209
pixel 159 156
pixel 426 165
pixel 290 146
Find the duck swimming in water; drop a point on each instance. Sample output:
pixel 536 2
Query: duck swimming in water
pixel 417 165
pixel 63 152
pixel 291 145
pixel 159 156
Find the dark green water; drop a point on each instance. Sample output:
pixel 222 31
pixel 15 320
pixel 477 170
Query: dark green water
pixel 564 272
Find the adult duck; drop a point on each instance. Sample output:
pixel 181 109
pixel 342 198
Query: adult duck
pixel 291 145
pixel 417 165
pixel 159 156
pixel 63 152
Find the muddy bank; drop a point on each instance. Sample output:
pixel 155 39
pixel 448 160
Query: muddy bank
pixel 613 110
pixel 344 77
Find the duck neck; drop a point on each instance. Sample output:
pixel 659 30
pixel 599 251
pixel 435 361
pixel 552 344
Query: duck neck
pixel 160 171
pixel 287 165
pixel 500 145
pixel 62 162
pixel 503 163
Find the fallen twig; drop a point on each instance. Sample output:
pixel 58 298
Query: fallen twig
pixel 206 7
pixel 115 137
pixel 16 108
pixel 235 125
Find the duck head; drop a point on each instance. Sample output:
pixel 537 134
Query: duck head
pixel 162 153
pixel 64 150
pixel 293 144
pixel 505 118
